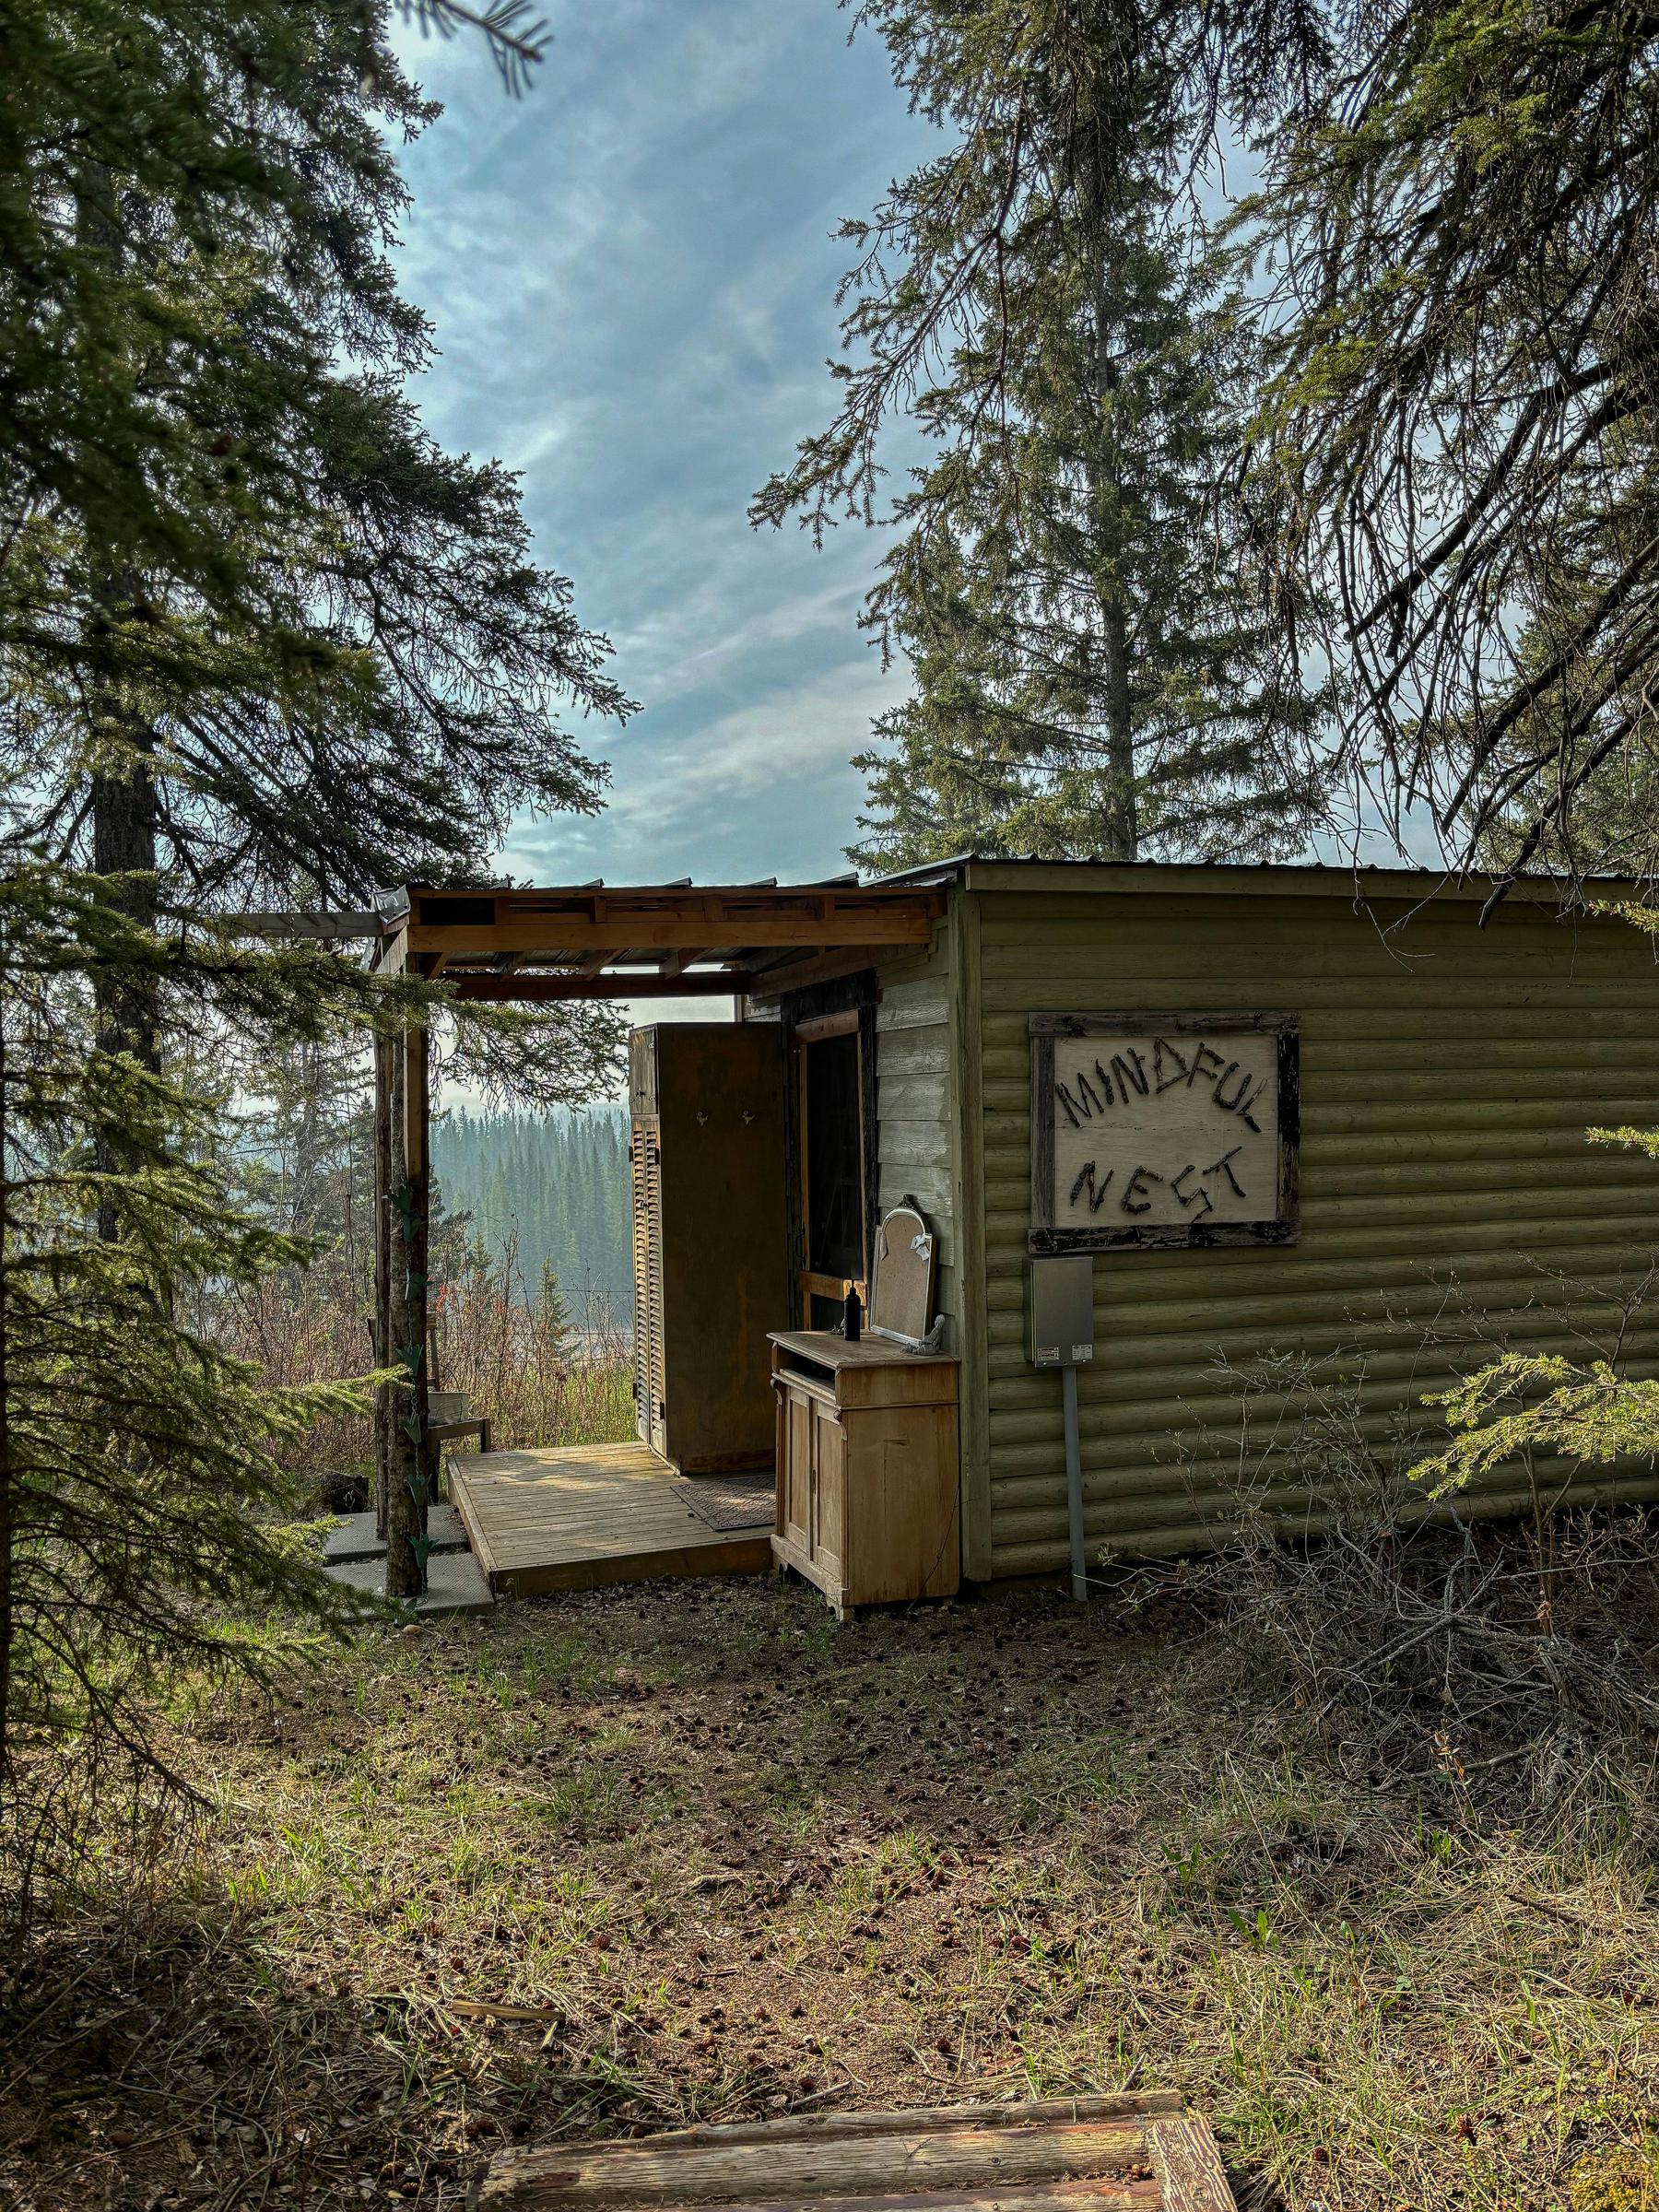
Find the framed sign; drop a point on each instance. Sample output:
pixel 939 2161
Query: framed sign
pixel 1163 1129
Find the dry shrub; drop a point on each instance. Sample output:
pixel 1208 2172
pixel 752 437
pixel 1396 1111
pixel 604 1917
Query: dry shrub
pixel 302 1326
pixel 1623 2177
pixel 1520 1658
pixel 543 1376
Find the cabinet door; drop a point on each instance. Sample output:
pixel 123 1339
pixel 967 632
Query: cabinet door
pixel 795 1471
pixel 828 1487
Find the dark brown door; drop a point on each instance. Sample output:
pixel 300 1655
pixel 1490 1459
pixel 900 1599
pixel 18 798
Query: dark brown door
pixel 833 1145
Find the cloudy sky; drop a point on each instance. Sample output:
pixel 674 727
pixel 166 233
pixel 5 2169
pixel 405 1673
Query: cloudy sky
pixel 631 275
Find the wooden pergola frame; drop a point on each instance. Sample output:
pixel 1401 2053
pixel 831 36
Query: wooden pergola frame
pixel 678 939
pixel 537 947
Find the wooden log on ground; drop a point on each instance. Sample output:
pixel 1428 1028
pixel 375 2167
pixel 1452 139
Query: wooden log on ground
pixel 1084 2153
pixel 1125 2192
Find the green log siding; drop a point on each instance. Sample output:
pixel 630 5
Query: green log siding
pixel 1448 1073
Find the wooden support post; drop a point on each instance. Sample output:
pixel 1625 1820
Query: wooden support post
pixel 417 1120
pixel 408 1492
pixel 385 1408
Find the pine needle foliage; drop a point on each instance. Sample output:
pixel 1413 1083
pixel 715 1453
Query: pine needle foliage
pixel 557 1185
pixel 516 37
pixel 1086 641
pixel 1456 444
pixel 1591 1412
pixel 143 1489
pixel 261 641
pixel 1448 476
pixel 1088 652
pixel 259 635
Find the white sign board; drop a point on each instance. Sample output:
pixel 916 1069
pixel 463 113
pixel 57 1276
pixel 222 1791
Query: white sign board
pixel 1177 1129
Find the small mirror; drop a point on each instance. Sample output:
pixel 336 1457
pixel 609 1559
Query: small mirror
pixel 901 1302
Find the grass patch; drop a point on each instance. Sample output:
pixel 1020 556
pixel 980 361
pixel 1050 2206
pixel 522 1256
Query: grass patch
pixel 628 1859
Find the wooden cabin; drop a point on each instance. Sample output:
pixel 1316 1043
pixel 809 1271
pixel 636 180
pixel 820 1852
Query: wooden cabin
pixel 1283 1110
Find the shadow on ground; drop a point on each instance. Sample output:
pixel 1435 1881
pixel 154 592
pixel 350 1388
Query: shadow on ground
pixel 695 1852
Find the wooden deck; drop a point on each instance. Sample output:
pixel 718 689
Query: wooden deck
pixel 591 1514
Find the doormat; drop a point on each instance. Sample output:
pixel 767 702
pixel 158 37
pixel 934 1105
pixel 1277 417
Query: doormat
pixel 728 1500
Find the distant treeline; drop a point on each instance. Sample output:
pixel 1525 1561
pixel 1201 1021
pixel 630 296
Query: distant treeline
pixel 558 1182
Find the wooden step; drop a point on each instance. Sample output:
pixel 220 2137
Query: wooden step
pixel 1105 2154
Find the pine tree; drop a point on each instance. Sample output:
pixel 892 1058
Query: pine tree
pixel 141 1481
pixel 558 1182
pixel 551 1311
pixel 267 643
pixel 1454 457
pixel 1447 466
pixel 1087 655
pixel 258 638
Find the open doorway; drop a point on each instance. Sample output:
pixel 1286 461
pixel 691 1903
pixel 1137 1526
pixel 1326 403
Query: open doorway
pixel 833 1153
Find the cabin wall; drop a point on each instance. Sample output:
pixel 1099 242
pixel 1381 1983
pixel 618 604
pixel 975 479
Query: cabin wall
pixel 1448 1075
pixel 916 1107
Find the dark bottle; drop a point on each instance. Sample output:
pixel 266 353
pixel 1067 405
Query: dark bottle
pixel 851 1315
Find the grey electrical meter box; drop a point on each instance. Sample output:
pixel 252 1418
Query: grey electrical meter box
pixel 1060 1310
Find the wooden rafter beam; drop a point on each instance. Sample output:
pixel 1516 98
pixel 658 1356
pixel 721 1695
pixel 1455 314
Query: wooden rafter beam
pixel 552 936
pixel 547 990
pixel 588 930
pixel 336 927
pixel 814 968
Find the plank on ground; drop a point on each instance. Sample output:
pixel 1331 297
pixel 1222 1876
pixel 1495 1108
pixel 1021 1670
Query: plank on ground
pixel 1140 2194
pixel 748 1555
pixel 1190 2177
pixel 772 2171
pixel 1058 2154
pixel 924 2119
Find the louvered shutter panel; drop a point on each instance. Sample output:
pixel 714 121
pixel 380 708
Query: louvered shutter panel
pixel 646 1160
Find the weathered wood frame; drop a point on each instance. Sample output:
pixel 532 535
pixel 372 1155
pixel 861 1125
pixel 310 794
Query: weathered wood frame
pixel 846 1008
pixel 535 947
pixel 1282 1226
pixel 1065 2151
pixel 539 946
pixel 381 1327
pixel 405 1472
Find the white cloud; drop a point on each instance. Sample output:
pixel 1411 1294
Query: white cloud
pixel 763 788
pixel 630 276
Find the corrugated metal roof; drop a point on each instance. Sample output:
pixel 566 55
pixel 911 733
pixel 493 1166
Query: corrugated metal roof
pixel 1262 877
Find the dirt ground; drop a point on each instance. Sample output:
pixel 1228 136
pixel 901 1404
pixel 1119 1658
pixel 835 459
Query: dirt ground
pixel 614 1861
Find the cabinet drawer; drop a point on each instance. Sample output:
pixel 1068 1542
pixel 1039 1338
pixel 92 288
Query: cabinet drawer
pixel 806 1386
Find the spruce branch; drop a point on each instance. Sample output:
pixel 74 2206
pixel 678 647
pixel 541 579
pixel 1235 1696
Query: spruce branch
pixel 517 41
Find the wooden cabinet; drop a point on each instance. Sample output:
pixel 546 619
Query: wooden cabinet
pixel 708 1239
pixel 867 1477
